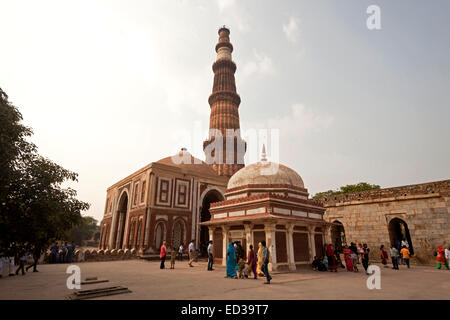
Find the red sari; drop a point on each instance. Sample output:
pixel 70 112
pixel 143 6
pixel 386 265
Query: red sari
pixel 348 260
pixel 332 265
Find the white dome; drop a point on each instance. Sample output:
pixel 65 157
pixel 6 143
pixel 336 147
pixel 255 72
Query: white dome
pixel 265 172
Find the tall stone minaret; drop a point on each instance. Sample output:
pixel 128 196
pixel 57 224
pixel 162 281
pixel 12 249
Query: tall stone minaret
pixel 224 102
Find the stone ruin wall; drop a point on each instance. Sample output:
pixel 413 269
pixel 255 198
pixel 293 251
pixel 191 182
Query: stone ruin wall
pixel 366 215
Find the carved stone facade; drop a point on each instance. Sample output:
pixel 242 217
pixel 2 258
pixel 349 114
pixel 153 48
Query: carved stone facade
pixel 162 201
pixel 418 213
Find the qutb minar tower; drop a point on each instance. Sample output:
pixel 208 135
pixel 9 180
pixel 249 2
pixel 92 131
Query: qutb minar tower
pixel 224 103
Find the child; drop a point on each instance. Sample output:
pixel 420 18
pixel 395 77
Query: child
pixel 241 265
pixel 405 254
pixel 173 255
pixel 325 262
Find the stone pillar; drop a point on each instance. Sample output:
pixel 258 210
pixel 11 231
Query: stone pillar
pixel 111 240
pixel 290 246
pixel 248 236
pixel 119 232
pixel 270 243
pixel 211 232
pixel 224 244
pixel 312 242
pixel 327 233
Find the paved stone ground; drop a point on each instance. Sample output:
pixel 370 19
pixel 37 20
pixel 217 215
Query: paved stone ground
pixel 147 281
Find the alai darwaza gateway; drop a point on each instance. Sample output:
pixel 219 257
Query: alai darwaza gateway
pixel 268 201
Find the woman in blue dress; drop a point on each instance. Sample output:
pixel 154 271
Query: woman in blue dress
pixel 231 262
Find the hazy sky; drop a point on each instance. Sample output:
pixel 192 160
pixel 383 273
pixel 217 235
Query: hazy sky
pixel 110 86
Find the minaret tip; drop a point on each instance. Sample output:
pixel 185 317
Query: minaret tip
pixel 263 153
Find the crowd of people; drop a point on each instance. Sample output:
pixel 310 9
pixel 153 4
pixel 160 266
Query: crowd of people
pixel 237 266
pixel 63 253
pixel 353 255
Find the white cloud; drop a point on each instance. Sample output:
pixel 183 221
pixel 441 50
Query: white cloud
pixel 300 122
pixel 223 4
pixel 261 64
pixel 291 29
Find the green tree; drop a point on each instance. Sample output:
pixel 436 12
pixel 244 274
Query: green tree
pixel 34 207
pixel 350 188
pixel 83 231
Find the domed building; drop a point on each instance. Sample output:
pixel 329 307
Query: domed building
pixel 268 201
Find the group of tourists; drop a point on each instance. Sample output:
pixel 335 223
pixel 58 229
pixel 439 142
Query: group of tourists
pixel 63 253
pixel 353 255
pixel 238 267
pixel 9 262
pixel 400 254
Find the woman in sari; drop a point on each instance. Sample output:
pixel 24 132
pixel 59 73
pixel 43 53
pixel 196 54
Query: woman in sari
pixel 252 260
pixel 231 261
pixel 440 258
pixel 384 256
pixel 348 259
pixel 332 266
pixel 260 261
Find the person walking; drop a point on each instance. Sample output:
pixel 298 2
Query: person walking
pixel 231 261
pixel 365 259
pixel 180 252
pixel 23 258
pixel 348 259
pixel 252 261
pixel 405 255
pixel 394 257
pixel 440 258
pixel 173 255
pixel 162 255
pixel 259 259
pixel 36 256
pixel 265 266
pixel 191 251
pixel 210 256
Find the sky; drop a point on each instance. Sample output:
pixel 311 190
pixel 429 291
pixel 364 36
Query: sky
pixel 110 86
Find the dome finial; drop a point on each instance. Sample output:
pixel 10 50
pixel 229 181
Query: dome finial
pixel 263 153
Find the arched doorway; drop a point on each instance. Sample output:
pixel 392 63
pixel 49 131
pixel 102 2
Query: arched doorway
pixel 398 231
pixel 338 235
pixel 178 234
pixel 160 235
pixel 121 217
pixel 210 197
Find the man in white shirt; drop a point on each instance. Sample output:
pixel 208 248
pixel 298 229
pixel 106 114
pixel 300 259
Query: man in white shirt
pixel 394 254
pixel 191 250
pixel 180 252
pixel 210 256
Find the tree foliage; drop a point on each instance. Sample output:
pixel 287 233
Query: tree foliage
pixel 350 188
pixel 34 207
pixel 82 231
